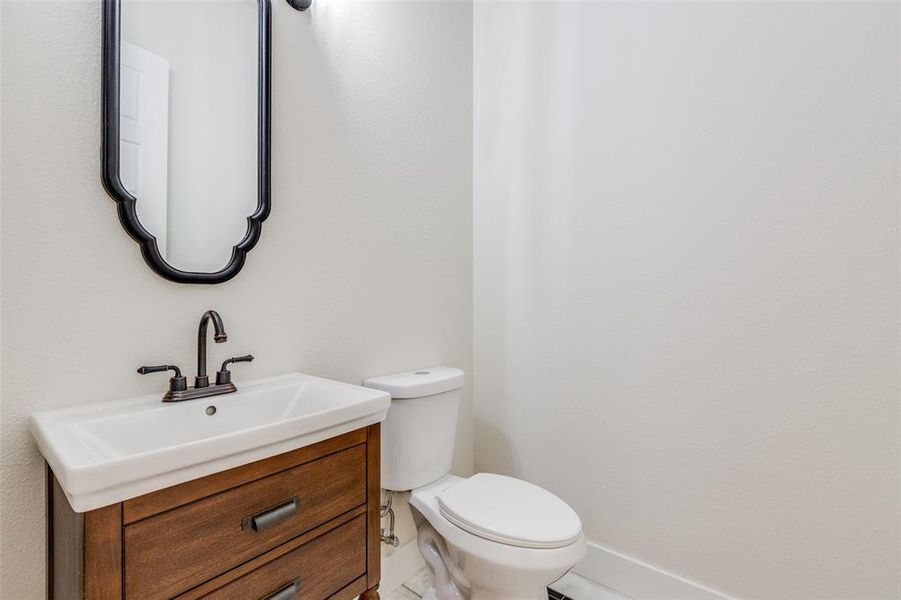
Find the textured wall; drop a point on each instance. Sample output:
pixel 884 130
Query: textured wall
pixel 687 281
pixel 363 267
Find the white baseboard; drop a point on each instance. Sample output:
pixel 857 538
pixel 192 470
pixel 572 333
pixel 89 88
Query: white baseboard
pixel 639 580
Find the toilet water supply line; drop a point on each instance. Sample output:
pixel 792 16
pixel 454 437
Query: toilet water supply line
pixel 386 510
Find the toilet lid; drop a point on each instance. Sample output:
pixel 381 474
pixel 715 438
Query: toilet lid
pixel 510 511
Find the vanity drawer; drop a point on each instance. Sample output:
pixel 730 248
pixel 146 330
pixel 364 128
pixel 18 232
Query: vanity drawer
pixel 314 571
pixel 174 551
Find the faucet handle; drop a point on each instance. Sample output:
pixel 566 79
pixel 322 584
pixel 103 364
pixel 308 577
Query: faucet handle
pixel 223 375
pixel 177 382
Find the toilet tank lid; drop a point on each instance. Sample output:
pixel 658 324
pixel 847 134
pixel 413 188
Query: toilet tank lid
pixel 418 383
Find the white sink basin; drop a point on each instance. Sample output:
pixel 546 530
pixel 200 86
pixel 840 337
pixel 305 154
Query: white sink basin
pixel 108 452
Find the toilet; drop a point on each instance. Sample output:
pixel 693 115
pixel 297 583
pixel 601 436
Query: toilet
pixel 486 537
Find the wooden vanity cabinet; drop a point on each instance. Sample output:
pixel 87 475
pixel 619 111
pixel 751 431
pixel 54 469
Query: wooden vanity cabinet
pixel 303 525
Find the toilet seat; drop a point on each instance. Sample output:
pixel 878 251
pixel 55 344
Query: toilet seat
pixel 511 512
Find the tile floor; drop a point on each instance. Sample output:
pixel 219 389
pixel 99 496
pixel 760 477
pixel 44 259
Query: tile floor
pixel 578 588
pixel 570 587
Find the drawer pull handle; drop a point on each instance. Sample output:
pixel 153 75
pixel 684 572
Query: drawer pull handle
pixel 271 517
pixel 289 592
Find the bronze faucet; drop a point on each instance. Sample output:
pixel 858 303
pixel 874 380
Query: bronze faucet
pixel 178 389
pixel 202 380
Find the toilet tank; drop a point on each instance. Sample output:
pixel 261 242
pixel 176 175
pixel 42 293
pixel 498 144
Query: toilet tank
pixel 419 432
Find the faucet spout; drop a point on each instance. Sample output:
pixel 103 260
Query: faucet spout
pixel 202 380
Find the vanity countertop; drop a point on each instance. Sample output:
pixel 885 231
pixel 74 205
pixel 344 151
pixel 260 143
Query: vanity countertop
pixel 108 452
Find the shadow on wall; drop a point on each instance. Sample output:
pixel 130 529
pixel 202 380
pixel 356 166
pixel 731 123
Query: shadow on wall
pixel 494 453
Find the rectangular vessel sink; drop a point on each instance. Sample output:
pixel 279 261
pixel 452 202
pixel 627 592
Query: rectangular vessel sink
pixel 108 452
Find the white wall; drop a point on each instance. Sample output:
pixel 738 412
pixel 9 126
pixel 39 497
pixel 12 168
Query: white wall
pixel 363 268
pixel 687 283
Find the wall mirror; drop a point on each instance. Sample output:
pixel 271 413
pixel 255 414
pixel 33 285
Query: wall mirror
pixel 186 130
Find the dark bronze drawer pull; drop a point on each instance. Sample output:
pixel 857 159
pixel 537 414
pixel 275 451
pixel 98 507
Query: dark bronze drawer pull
pixel 273 516
pixel 289 592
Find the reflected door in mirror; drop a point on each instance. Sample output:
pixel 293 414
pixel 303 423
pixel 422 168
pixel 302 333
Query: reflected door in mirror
pixel 144 136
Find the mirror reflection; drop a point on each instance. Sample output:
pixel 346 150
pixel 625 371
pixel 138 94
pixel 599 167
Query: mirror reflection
pixel 188 124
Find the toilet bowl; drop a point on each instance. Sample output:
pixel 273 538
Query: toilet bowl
pixel 475 551
pixel 486 537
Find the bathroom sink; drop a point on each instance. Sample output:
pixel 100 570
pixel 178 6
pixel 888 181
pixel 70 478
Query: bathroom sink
pixel 108 452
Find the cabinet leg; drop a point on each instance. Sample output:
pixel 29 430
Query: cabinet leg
pixel 372 594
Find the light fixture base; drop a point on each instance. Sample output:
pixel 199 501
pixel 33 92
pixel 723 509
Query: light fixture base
pixel 300 5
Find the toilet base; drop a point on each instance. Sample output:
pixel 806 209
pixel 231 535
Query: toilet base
pixel 434 551
pixel 446 580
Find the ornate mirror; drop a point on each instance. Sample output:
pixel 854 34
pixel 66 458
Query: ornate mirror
pixel 186 130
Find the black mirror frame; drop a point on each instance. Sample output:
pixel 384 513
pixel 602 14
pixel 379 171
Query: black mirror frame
pixel 110 152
